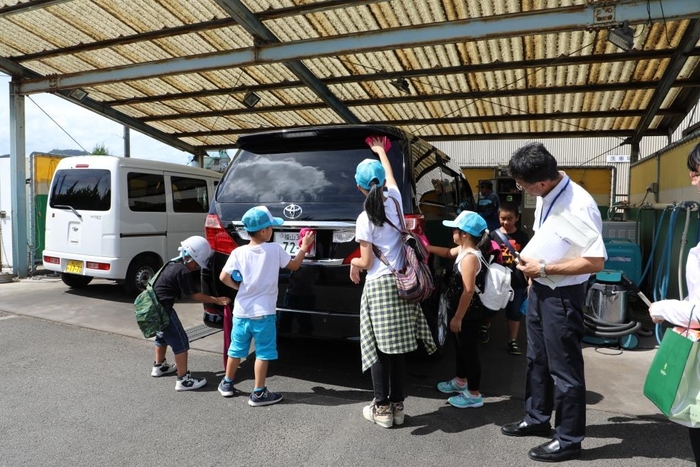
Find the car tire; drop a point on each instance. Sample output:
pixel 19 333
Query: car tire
pixel 75 281
pixel 435 310
pixel 140 271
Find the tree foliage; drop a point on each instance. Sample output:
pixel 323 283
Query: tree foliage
pixel 100 150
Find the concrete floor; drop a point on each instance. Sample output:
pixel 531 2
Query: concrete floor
pixel 614 376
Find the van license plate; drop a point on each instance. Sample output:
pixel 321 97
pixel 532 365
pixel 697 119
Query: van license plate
pixel 74 267
pixel 289 240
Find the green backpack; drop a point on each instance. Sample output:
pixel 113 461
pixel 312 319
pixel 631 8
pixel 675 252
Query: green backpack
pixel 151 316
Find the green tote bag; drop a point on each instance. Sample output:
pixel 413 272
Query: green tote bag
pixel 673 381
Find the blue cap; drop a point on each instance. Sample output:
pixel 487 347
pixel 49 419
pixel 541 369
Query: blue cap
pixel 468 221
pixel 368 170
pixel 258 218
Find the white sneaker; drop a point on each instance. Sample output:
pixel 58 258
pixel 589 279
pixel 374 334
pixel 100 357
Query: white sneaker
pixel 397 411
pixel 164 368
pixel 187 383
pixel 379 414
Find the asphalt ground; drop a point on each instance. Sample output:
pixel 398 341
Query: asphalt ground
pixel 76 390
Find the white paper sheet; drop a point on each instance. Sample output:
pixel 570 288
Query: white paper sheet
pixel 561 237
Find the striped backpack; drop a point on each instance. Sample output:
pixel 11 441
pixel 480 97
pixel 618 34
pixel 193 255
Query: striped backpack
pixel 414 281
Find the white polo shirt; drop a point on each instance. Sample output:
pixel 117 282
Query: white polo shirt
pixel 576 201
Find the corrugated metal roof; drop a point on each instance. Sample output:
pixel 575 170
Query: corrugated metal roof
pixel 562 81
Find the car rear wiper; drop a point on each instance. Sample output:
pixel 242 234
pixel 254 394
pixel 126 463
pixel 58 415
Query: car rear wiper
pixel 65 206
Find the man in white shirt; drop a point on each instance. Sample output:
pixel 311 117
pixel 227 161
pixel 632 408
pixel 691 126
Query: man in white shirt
pixel 555 378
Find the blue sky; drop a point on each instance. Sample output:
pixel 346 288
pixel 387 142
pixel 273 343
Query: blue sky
pixel 87 128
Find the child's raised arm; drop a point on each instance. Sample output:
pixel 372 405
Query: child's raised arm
pixel 377 145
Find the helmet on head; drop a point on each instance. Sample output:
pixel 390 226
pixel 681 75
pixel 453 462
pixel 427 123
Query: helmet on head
pixel 197 248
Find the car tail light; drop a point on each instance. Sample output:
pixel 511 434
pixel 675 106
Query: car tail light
pixel 354 254
pixel 415 223
pixel 52 260
pixel 100 266
pixel 343 236
pixel 218 238
pixel 210 310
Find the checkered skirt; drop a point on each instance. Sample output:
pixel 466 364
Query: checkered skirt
pixel 390 323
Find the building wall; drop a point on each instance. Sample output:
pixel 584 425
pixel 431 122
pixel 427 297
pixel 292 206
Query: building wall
pixel 569 152
pixel 5 205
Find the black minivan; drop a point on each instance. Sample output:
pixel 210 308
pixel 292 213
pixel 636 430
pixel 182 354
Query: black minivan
pixel 306 177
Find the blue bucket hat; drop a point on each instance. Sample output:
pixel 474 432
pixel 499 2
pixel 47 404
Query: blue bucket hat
pixel 258 218
pixel 468 221
pixel 368 170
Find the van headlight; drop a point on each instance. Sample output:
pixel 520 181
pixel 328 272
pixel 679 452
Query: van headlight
pixel 343 236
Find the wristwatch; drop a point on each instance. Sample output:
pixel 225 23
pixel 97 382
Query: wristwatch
pixel 543 273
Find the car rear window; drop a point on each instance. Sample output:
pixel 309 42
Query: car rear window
pixel 326 176
pixel 82 189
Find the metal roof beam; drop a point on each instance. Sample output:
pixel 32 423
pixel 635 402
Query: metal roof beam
pixel 261 33
pixel 688 41
pixel 635 55
pixel 18 71
pixel 314 7
pixel 12 68
pixel 686 99
pixel 578 17
pixel 28 6
pixel 459 120
pixel 622 134
pixel 469 95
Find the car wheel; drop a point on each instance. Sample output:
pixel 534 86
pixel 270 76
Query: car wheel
pixel 435 310
pixel 75 281
pixel 139 273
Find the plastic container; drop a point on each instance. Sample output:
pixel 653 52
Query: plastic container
pixel 625 256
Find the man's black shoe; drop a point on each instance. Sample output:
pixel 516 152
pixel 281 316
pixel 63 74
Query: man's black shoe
pixel 522 428
pixel 551 451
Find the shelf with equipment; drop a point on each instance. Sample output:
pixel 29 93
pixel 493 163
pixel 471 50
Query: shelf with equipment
pixel 507 190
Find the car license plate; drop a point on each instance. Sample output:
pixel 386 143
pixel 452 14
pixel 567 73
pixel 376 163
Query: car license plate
pixel 74 267
pixel 289 240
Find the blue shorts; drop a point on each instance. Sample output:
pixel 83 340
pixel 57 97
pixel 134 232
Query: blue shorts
pixel 512 309
pixel 173 335
pixel 263 330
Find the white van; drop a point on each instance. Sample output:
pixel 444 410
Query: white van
pixel 121 218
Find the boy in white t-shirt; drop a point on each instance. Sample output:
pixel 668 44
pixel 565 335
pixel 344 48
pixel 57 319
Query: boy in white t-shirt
pixel 256 267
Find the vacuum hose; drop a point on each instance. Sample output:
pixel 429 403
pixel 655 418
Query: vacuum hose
pixel 609 330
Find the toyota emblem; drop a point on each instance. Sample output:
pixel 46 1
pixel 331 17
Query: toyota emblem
pixel 292 211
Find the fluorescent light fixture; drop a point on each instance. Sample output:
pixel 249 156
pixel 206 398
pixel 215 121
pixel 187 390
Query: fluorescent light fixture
pixel 251 99
pixel 622 37
pixel 402 85
pixel 78 94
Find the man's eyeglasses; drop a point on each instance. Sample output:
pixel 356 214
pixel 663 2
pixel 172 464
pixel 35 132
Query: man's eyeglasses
pixel 523 186
pixel 694 175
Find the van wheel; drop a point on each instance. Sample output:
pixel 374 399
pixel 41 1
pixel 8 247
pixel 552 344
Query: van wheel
pixel 139 273
pixel 75 281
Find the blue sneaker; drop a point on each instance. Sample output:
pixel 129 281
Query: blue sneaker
pixel 264 398
pixel 465 400
pixel 448 387
pixel 227 390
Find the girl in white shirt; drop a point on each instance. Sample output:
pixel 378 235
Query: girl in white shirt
pixel 389 325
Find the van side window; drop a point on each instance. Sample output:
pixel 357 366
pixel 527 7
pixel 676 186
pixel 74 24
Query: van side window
pixel 190 195
pixel 146 192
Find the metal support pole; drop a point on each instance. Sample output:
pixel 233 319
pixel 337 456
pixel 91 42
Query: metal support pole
pixel 18 178
pixel 127 142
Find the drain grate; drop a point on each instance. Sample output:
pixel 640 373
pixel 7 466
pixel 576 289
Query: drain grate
pixel 198 332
